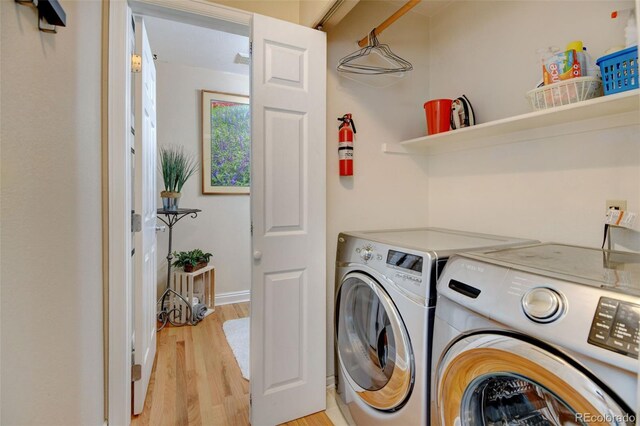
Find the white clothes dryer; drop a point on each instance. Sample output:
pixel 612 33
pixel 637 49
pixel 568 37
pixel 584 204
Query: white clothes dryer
pixel 540 335
pixel 385 295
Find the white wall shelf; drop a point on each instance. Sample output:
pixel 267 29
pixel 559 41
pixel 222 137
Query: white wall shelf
pixel 605 112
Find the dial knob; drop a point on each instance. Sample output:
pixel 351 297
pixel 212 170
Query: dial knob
pixel 366 254
pixel 542 304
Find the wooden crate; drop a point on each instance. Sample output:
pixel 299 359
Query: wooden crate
pixel 200 284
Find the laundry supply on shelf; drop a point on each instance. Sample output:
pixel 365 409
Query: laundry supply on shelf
pixel 587 64
pixel 561 66
pixel 568 77
pixel 631 30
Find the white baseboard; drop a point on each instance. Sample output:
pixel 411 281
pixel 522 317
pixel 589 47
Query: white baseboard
pixel 331 382
pixel 233 297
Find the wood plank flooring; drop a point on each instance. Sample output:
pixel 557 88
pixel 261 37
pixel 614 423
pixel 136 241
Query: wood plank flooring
pixel 197 381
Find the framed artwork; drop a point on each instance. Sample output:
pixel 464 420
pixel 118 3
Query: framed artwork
pixel 226 143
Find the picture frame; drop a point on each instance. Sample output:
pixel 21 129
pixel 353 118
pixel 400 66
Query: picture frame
pixel 226 143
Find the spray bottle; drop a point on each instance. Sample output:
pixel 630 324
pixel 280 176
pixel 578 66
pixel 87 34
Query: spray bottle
pixel 631 30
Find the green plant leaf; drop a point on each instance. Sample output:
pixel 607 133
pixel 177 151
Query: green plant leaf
pixel 176 167
pixel 192 258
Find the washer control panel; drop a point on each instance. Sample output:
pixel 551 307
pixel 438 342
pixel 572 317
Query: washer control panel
pixel 616 326
pixel 367 253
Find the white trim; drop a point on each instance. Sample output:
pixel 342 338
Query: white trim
pixel 233 297
pixel 119 155
pixel 331 382
pixel 197 12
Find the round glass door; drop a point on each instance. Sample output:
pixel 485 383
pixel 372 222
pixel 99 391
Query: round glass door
pixel 372 342
pixel 509 399
pixel 490 380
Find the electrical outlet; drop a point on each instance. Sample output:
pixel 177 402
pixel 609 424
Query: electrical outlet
pixel 616 204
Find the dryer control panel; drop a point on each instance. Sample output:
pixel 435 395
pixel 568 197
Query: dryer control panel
pixel 410 262
pixel 616 326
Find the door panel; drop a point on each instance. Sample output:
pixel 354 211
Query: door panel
pixel 285 147
pixel 288 308
pixel 145 205
pixel 285 64
pixel 284 292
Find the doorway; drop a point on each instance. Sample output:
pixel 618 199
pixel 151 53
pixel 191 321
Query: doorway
pixel 288 118
pixel 195 64
pixel 198 72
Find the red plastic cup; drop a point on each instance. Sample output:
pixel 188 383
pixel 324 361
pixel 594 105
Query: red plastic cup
pixel 438 113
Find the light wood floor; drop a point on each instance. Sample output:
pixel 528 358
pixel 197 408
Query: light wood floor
pixel 196 379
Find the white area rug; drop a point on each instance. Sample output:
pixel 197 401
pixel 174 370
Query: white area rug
pixel 237 333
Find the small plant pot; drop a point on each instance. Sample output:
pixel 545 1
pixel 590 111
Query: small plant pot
pixel 191 268
pixel 170 200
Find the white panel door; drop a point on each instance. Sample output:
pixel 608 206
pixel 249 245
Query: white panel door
pixel 288 197
pixel 145 205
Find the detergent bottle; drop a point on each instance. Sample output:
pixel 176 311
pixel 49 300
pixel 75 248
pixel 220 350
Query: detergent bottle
pixel 587 64
pixel 593 70
pixel 579 48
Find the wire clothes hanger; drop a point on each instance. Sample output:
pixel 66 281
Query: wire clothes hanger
pixel 351 63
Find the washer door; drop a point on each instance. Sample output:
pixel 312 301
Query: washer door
pixel 489 379
pixel 373 345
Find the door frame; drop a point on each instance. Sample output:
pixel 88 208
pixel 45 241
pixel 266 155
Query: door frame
pixel 117 211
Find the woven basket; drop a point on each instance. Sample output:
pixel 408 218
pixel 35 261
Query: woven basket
pixel 565 92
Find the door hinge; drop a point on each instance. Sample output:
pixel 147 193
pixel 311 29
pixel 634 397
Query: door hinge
pixel 136 63
pixel 251 228
pixel 136 372
pixel 136 222
pixel 250 48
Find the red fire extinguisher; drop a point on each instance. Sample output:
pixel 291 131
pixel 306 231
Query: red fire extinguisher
pixel 345 144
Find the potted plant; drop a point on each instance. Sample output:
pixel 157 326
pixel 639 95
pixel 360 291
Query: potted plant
pixel 176 167
pixel 191 260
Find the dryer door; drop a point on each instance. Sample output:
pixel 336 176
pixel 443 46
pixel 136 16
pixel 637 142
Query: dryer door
pixel 373 346
pixel 491 379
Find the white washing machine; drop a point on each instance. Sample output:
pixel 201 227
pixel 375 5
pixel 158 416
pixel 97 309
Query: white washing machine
pixel 539 335
pixel 385 293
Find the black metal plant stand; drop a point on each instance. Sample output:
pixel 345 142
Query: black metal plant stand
pixel 165 314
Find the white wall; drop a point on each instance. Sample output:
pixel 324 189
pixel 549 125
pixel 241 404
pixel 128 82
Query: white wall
pixel 386 191
pixel 222 227
pixel 553 189
pixel 51 266
pixel 491 55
